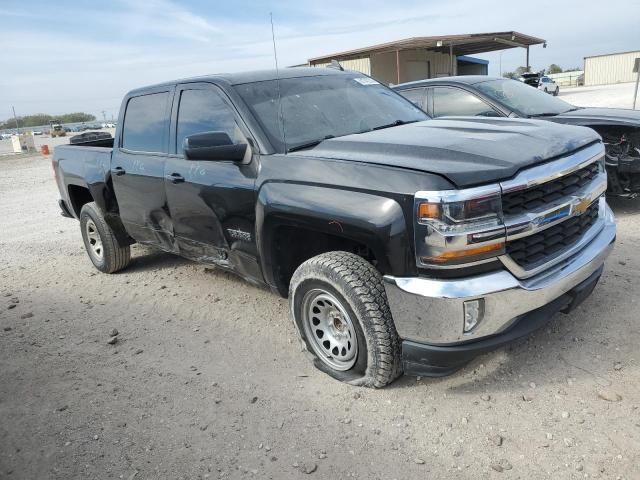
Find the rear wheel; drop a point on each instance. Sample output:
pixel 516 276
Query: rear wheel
pixel 340 309
pixel 557 91
pixel 103 248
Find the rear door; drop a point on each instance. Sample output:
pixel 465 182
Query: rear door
pixel 212 203
pixel 137 167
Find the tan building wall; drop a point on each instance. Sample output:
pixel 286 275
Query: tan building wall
pixel 607 69
pixel 414 65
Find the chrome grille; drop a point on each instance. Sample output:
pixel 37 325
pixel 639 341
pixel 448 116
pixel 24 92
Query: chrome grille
pixel 541 247
pixel 529 199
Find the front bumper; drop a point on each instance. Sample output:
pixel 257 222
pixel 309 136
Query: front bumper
pixel 429 312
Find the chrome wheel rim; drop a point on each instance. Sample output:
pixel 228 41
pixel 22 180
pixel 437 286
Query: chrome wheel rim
pixel 329 330
pixel 94 242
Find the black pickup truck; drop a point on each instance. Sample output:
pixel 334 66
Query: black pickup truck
pixel 404 244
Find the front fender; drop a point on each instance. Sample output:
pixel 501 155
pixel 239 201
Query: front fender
pixel 375 221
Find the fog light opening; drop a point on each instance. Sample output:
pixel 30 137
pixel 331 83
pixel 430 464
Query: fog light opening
pixel 473 314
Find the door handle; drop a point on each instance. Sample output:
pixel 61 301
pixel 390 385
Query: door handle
pixel 118 171
pixel 175 178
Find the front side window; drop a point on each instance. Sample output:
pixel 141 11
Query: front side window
pixel 307 109
pixel 448 101
pixel 145 123
pixel 205 111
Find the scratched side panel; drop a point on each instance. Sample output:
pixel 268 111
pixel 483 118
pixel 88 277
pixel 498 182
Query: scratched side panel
pixel 213 213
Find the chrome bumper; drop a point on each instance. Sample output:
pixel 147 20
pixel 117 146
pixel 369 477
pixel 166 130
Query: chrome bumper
pixel 430 311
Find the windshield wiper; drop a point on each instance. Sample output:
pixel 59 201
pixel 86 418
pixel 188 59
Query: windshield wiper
pixel 313 143
pixel 547 114
pixel 394 124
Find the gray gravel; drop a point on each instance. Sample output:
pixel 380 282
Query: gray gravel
pixel 206 378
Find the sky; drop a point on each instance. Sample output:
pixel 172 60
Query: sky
pixel 65 56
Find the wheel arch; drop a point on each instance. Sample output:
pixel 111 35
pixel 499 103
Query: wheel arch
pixel 80 195
pixel 295 222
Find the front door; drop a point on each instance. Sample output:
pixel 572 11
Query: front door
pixel 212 203
pixel 137 168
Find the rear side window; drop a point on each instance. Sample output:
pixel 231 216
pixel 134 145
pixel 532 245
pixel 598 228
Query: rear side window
pixel 416 95
pixel 145 123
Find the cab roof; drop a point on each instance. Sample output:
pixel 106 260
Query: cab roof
pixel 460 79
pixel 251 77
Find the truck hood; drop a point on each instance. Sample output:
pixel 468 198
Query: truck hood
pixel 466 150
pixel 600 116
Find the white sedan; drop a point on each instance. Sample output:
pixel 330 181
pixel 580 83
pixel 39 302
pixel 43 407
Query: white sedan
pixel 547 85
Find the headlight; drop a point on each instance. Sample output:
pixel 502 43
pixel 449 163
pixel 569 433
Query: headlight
pixel 459 226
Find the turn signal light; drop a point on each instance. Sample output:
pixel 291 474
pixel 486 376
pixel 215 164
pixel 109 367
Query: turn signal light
pixel 428 210
pixel 445 257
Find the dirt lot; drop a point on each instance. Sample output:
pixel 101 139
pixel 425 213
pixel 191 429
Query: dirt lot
pixel 6 147
pixel 207 379
pixel 619 95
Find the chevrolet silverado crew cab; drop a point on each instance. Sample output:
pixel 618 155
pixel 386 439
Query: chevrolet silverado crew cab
pixel 404 244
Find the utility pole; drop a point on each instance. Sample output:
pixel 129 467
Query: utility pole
pixel 636 70
pixel 104 115
pixel 15 118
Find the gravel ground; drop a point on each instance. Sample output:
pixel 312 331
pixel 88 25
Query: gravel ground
pixel 207 379
pixel 619 95
pixel 6 147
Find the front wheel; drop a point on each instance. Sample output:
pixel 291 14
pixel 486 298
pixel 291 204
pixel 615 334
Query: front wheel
pixel 101 244
pixel 339 307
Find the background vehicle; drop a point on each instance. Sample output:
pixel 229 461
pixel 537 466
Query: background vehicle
pixel 499 97
pixel 403 243
pixel 95 139
pixel 548 85
pixel 531 79
pixel 57 130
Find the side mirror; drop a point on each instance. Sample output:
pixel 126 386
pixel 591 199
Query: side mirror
pixel 212 146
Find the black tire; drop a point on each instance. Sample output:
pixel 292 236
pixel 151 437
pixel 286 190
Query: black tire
pixel 358 287
pixel 113 257
pixel 556 92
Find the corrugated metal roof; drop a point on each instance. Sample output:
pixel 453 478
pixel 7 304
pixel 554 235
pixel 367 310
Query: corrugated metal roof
pixel 467 44
pixel 612 54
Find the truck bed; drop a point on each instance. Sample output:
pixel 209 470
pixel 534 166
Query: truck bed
pixel 92 139
pixel 81 165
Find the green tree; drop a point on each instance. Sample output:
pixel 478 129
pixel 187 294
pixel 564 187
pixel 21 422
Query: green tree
pixel 554 68
pixel 40 119
pixel 515 74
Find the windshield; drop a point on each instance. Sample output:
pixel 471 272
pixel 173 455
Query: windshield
pixel 326 106
pixel 522 98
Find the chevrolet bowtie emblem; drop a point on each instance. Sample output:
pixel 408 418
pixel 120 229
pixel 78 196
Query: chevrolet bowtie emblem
pixel 582 206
